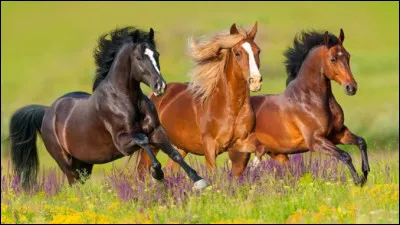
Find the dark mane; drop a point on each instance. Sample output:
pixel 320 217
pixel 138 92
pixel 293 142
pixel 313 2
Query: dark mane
pixel 108 48
pixel 302 44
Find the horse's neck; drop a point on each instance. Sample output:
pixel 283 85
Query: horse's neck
pixel 120 78
pixel 311 78
pixel 232 88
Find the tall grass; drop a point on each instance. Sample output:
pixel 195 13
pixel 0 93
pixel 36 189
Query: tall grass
pixel 314 190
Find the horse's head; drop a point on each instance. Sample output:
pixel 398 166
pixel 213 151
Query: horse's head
pixel 246 55
pixel 337 65
pixel 145 65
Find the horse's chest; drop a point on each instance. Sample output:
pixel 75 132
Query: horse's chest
pixel 336 119
pixel 238 127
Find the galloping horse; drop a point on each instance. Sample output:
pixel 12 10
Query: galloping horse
pixel 80 129
pixel 213 114
pixel 306 116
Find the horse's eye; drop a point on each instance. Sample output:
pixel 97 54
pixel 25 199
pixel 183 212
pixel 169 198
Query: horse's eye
pixel 237 54
pixel 139 58
pixel 333 60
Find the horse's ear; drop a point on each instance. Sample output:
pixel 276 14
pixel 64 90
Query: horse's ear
pixel 151 34
pixel 341 36
pixel 234 29
pixel 135 35
pixel 326 39
pixel 253 31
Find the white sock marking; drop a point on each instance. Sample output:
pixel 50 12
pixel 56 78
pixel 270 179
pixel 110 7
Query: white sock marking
pixel 254 72
pixel 150 53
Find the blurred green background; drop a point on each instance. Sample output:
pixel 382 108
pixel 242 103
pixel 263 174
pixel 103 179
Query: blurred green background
pixel 46 51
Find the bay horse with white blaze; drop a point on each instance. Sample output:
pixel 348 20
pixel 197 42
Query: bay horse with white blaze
pixel 80 129
pixel 306 116
pixel 213 114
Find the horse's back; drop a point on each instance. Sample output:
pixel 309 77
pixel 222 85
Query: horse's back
pixel 76 95
pixel 276 126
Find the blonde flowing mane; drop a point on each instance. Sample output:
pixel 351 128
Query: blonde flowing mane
pixel 209 54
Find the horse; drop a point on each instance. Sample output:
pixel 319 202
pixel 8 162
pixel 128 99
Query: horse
pixel 306 116
pixel 80 130
pixel 213 114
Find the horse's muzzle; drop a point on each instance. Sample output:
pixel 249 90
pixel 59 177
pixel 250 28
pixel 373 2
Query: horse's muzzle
pixel 350 89
pixel 255 83
pixel 159 88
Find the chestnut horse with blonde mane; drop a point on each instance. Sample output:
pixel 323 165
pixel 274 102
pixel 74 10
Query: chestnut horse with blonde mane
pixel 213 114
pixel 306 116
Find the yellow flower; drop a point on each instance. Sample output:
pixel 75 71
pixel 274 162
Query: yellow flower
pixel 93 217
pixel 67 219
pixel 140 218
pixel 4 208
pixel 395 196
pixel 5 219
pixel 73 199
pixel 297 217
pixel 23 219
pixel 235 222
pixel 114 206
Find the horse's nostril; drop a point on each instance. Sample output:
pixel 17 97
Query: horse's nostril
pixel 251 80
pixel 157 86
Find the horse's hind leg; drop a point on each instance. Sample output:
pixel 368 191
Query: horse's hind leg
pixel 81 168
pixel 69 165
pixel 347 138
pixel 282 159
pixel 64 160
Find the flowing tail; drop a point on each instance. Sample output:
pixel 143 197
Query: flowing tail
pixel 24 124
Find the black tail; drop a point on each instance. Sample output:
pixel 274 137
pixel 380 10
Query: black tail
pixel 23 126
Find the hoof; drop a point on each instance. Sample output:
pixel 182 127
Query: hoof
pixel 362 180
pixel 256 163
pixel 200 184
pixel 154 180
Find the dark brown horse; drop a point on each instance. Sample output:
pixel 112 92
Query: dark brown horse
pixel 80 129
pixel 213 114
pixel 306 116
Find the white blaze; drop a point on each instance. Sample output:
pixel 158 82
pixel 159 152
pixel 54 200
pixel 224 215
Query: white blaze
pixel 150 53
pixel 254 72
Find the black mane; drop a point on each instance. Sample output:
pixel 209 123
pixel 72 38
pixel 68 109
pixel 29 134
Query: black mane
pixel 107 49
pixel 302 44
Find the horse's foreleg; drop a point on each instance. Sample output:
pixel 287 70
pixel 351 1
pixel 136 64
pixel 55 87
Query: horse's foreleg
pixel 247 145
pixel 240 155
pixel 142 141
pixel 143 161
pixel 321 144
pixel 347 138
pixel 126 144
pixel 160 139
pixel 173 165
pixel 239 162
pixel 210 153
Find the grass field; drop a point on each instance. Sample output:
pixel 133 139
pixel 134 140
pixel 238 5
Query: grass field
pixel 47 48
pixel 317 192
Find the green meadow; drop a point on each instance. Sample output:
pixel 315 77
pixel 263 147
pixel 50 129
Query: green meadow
pixel 47 51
